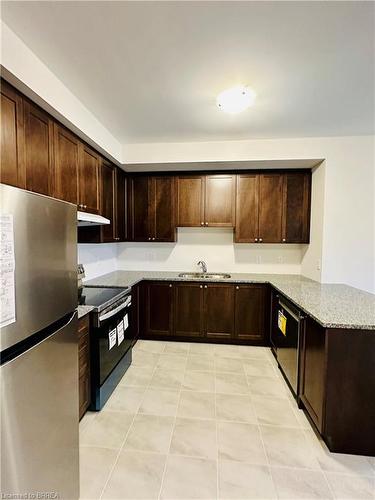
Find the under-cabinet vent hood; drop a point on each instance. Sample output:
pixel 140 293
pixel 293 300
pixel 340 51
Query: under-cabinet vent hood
pixel 85 219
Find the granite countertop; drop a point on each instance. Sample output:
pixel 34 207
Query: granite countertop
pixel 331 305
pixel 83 310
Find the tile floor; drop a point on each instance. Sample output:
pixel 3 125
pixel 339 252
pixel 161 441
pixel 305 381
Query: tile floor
pixel 199 421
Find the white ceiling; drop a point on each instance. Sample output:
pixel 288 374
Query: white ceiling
pixel 150 71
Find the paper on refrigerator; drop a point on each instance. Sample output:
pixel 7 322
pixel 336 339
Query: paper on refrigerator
pixel 7 271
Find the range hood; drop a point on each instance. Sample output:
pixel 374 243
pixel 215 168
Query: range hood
pixel 86 219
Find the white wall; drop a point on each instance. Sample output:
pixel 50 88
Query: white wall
pixel 216 247
pixel 98 259
pixel 40 84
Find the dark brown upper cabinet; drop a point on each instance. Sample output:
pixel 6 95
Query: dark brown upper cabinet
pixel 296 207
pixel 89 180
pixel 218 310
pixel 12 168
pixel 66 162
pixel 206 200
pixel 38 150
pixel 247 208
pixel 121 205
pixel 188 309
pixel 108 201
pixel 270 208
pixel 190 200
pixel 152 211
pixel 250 312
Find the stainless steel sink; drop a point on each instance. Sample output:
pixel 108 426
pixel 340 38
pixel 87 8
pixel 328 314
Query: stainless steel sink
pixel 205 276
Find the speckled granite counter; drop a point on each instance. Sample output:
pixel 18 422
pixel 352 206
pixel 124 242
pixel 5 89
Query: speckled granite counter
pixel 83 310
pixel 333 306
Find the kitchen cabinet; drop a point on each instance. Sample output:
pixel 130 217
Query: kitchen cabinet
pixel 158 309
pixel 250 312
pixel 38 150
pixel 247 208
pixel 121 205
pixel 66 163
pixel 206 200
pixel 12 167
pixel 89 180
pixel 152 210
pixel 108 203
pixel 84 364
pixel 218 310
pixel 270 208
pixel 188 310
pixel 296 207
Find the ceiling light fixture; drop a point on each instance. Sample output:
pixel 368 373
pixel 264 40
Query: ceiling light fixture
pixel 235 99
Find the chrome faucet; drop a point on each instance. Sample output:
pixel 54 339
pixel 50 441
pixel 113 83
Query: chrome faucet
pixel 203 265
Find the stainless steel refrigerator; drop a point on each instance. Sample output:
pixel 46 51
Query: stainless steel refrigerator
pixel 39 351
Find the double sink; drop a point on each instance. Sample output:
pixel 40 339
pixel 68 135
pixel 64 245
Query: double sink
pixel 206 276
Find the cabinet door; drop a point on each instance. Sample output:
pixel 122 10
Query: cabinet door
pixel 247 208
pixel 220 200
pixel 89 180
pixel 66 155
pixel 38 150
pixel 250 303
pixel 312 370
pixel 12 167
pixel 219 310
pixel 296 208
pixel 270 208
pixel 139 212
pixel 108 204
pixel 121 205
pixel 159 298
pixel 190 201
pixel 188 310
pixel 161 209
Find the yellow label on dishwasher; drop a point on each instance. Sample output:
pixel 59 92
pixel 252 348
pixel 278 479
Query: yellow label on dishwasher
pixel 281 322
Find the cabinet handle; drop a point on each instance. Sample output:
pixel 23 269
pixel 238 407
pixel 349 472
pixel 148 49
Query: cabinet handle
pixel 200 286
pixel 85 206
pixel 153 239
pixel 170 286
pixel 255 239
pixel 202 223
pixel 284 240
pixel 237 287
pixel 205 286
pixel 260 239
pixel 206 223
pixel 149 239
pixel 117 238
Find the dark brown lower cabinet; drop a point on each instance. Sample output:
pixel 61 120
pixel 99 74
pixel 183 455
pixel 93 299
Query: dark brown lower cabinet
pixel 337 383
pixel 218 310
pixel 188 310
pixel 250 312
pixel 158 309
pixel 84 364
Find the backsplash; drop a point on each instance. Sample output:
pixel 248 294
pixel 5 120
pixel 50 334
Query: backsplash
pixel 98 259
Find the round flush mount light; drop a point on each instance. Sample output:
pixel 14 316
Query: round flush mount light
pixel 235 99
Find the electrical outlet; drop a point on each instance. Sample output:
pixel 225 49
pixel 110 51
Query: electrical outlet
pixel 259 259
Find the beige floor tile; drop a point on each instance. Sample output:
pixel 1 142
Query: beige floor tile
pixel 95 467
pixel 245 481
pixel 182 348
pixel 254 352
pixel 200 363
pixel 127 399
pixel 108 430
pixel 86 419
pixel 153 346
pixel 236 407
pixel 136 475
pixel 300 483
pixel 196 405
pixel 195 438
pixel 172 361
pixel 201 349
pixel 267 386
pixel 288 447
pixel 144 359
pixel 137 376
pixel 159 402
pixel 165 378
pixel 240 442
pixel 351 487
pixel 227 351
pixel 150 433
pixel 274 411
pixel 232 365
pixel 302 419
pixel 259 368
pixel 231 383
pixel 199 381
pixel 189 479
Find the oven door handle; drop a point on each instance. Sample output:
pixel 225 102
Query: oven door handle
pixel 294 316
pixel 111 313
